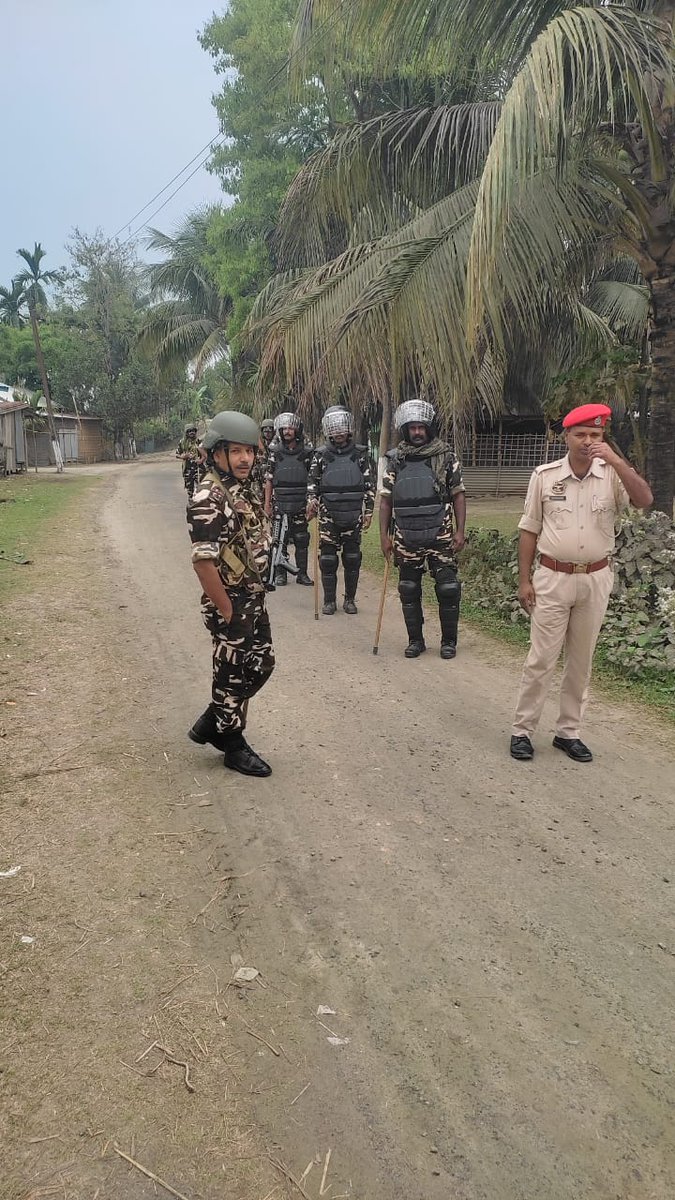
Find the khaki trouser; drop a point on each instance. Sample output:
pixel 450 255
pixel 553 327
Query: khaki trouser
pixel 569 611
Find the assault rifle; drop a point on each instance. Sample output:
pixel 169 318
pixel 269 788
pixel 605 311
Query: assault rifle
pixel 277 554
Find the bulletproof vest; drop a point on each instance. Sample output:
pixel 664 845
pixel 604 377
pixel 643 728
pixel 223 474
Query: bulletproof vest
pixel 289 480
pixel 418 505
pixel 342 486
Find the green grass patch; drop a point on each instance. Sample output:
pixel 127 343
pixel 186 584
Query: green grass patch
pixel 655 691
pixel 31 508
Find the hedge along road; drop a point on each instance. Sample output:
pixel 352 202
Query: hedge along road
pixel 494 939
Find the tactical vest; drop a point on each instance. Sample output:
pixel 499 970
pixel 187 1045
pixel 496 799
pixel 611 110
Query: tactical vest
pixel 418 505
pixel 243 559
pixel 289 480
pixel 342 486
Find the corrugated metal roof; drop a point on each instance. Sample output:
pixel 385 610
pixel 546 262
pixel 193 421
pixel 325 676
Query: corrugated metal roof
pixel 7 406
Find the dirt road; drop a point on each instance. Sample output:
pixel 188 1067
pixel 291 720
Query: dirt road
pixel 496 940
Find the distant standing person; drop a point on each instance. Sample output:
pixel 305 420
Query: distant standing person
pixel 230 538
pixel 341 488
pixel 188 452
pixel 569 518
pixel 290 455
pixel 423 490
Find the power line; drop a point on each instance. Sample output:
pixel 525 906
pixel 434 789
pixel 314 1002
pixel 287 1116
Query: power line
pixel 331 21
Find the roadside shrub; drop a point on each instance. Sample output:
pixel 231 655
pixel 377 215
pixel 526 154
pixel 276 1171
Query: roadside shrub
pixel 638 634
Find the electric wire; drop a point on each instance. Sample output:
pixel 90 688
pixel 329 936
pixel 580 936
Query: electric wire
pixel 330 22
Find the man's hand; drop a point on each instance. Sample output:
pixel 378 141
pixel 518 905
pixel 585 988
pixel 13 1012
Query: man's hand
pixel 458 541
pixel 526 596
pixel 387 544
pixel 604 451
pixel 367 521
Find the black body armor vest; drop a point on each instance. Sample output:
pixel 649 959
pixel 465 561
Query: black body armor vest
pixel 289 480
pixel 342 486
pixel 418 505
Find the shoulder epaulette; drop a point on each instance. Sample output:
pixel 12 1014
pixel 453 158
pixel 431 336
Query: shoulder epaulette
pixel 548 466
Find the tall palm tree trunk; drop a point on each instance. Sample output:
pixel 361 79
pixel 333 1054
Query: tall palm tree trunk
pixel 661 449
pixel 45 385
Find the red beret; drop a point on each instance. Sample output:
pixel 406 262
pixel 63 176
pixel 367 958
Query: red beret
pixel 588 414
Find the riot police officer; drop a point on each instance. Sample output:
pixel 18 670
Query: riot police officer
pixel 290 456
pixel 423 489
pixel 341 488
pixel 230 546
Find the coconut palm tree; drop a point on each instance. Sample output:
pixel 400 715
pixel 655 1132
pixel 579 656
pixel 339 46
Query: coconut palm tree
pixel 13 305
pixel 473 230
pixel 33 280
pixel 187 324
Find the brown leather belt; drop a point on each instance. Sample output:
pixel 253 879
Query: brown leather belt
pixel 573 568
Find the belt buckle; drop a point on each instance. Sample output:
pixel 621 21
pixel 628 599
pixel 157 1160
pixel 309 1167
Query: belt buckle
pixel 581 568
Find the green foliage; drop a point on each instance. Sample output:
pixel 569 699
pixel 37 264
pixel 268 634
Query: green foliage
pixel 32 510
pixel 638 635
pixel 613 376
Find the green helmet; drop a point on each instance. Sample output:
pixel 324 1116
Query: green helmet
pixel 268 423
pixel 231 427
pixel 191 428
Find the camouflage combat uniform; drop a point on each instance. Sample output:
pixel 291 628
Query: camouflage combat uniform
pixel 332 537
pixel 228 526
pixel 438 557
pixel 192 465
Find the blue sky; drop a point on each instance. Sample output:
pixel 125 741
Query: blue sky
pixel 104 101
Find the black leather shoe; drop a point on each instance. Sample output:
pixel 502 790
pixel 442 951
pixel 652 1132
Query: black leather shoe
pixel 414 649
pixel 573 748
pixel 350 607
pixel 448 650
pixel 245 760
pixel 205 730
pixel 329 609
pixel 522 749
pixel 304 580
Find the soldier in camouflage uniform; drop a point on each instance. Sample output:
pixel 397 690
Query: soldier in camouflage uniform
pixel 423 490
pixel 341 489
pixel 230 546
pixel 290 455
pixel 188 451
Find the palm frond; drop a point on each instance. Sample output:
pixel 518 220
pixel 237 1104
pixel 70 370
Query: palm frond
pixel 588 62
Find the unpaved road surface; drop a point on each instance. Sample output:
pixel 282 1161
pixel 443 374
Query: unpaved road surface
pixel 496 940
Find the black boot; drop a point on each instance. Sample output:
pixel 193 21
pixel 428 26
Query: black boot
pixel 449 617
pixel 301 556
pixel 239 756
pixel 329 583
pixel 280 577
pixel 414 623
pixel 351 584
pixel 205 730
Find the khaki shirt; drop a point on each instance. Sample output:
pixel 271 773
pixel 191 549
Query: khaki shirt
pixel 574 518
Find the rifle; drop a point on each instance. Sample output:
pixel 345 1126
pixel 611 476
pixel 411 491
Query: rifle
pixel 277 556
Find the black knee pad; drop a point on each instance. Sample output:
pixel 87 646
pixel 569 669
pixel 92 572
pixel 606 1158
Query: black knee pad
pixel 410 590
pixel 448 587
pixel 328 560
pixel 351 558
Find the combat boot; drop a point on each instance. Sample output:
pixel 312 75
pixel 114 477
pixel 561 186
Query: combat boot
pixel 239 756
pixel 302 577
pixel 329 609
pixel 414 623
pixel 205 729
pixel 349 606
pixel 449 617
pixel 280 577
pixel 351 584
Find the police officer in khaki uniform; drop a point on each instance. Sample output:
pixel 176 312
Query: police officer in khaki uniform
pixel 569 519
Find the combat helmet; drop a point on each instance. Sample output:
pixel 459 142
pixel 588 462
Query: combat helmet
pixel 337 420
pixel 231 427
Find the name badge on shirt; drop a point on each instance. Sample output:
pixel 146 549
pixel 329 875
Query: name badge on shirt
pixel 558 491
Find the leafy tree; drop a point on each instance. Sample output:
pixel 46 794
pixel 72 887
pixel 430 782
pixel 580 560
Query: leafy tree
pixel 33 280
pixel 476 230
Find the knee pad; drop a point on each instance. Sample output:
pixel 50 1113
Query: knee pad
pixel 448 587
pixel 328 560
pixel 351 558
pixel 410 590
